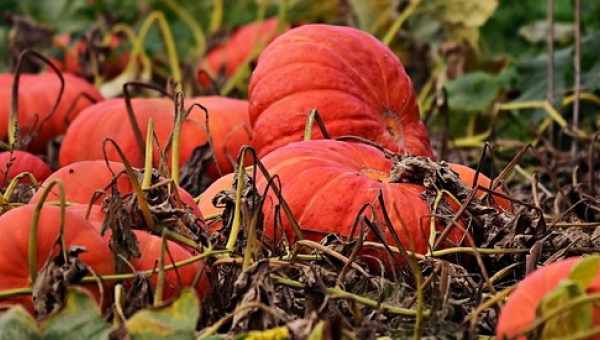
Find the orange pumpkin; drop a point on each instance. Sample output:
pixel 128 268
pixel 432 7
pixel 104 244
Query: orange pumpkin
pixel 228 125
pixel 327 182
pixel 82 180
pixel 227 57
pixel 520 309
pixel 358 85
pixel 14 227
pixel 37 95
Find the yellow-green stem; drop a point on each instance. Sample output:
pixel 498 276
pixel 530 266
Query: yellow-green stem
pixel 217 16
pixel 167 35
pixel 192 24
pixel 408 11
pixel 237 212
pixel 160 281
pixel 12 185
pixel 175 144
pixel 147 181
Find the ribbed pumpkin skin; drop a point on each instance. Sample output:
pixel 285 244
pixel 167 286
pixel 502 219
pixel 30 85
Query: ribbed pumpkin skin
pixel 16 162
pixel 82 180
pixel 231 54
pixel 520 308
pixel 326 182
pixel 228 124
pixel 37 94
pixel 358 85
pixel 14 227
pixel 150 248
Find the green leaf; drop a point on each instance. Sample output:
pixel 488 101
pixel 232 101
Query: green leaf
pixel 474 92
pixel 585 271
pixel 80 318
pixel 174 321
pixel 16 323
pixel 578 318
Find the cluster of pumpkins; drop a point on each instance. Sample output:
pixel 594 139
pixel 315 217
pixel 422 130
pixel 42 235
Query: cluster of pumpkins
pixel 356 83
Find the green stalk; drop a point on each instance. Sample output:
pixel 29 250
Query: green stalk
pixel 147 181
pixel 175 145
pixel 160 281
pixel 192 24
pixel 168 39
pixel 235 226
pixel 216 18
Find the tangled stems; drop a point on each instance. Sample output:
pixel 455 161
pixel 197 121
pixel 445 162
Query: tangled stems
pixel 121 277
pixel 338 293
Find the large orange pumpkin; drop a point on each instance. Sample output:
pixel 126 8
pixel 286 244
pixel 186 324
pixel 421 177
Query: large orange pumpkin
pixel 228 125
pixel 358 85
pixel 227 57
pixel 14 227
pixel 520 309
pixel 326 183
pixel 37 95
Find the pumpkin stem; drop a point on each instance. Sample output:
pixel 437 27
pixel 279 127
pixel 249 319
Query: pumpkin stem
pixel 160 281
pixel 313 116
pixel 175 145
pixel 142 203
pixel 147 181
pixel 13 117
pixel 131 113
pixel 118 306
pixel 208 134
pixel 32 252
pixel 235 226
pixel 12 185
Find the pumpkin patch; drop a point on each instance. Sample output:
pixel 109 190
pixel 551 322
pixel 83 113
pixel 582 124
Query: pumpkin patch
pixel 209 169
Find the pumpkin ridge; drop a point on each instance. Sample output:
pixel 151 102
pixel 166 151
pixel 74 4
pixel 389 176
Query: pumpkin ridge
pixel 303 92
pixel 372 99
pixel 342 31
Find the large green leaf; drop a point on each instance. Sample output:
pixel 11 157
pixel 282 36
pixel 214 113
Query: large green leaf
pixel 532 80
pixel 174 321
pixel 16 323
pixel 80 318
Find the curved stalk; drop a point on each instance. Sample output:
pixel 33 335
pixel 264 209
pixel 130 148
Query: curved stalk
pixel 13 116
pixel 32 251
